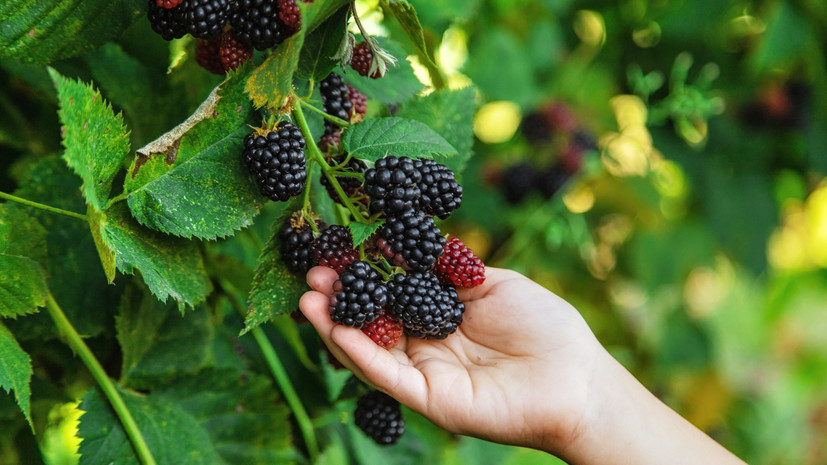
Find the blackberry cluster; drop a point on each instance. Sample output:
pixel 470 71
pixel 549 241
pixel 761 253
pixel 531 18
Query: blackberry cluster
pixel 359 295
pixel 335 100
pixel 379 416
pixel 350 185
pixel 290 15
pixel 427 308
pixel 412 236
pixel 165 21
pixel 257 23
pixel 297 244
pixel 360 62
pixel 334 248
pixel 233 52
pixel 277 161
pixel 393 185
pixel 205 18
pixel 207 54
pixel 440 192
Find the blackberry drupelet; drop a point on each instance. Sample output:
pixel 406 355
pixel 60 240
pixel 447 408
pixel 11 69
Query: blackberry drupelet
pixel 358 100
pixel 412 236
pixel 297 244
pixel 166 22
pixel 379 416
pixel 459 266
pixel 426 308
pixel 441 194
pixel 257 23
pixel 359 295
pixel 290 15
pixel 233 51
pixel 352 186
pixel 518 181
pixel 385 331
pixel 277 161
pixel 393 185
pixel 205 18
pixel 334 100
pixel 207 54
pixel 334 248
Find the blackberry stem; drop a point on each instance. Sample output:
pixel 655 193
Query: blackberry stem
pixel 306 201
pixel 29 203
pixel 367 37
pixel 338 121
pixel 74 341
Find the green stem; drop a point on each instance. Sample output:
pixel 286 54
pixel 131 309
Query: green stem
pixel 29 203
pixel 107 386
pixel 117 199
pixel 338 121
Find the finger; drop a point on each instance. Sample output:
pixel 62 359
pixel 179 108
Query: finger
pixel 391 371
pixel 321 278
pixel 493 277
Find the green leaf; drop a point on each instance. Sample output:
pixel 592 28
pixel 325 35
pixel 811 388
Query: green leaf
pixel 95 138
pixel 202 189
pixel 317 12
pixel 314 61
pixel 158 343
pixel 406 15
pixel 486 68
pixel 362 231
pixel 172 435
pixel 375 138
pixel 271 83
pixel 170 266
pixel 242 413
pixel 47 30
pixel 276 289
pixel 22 281
pixel 106 255
pixel 451 114
pixel 398 85
pixel 15 371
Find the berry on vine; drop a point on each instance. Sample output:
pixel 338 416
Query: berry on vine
pixel 459 266
pixel 297 239
pixel 359 295
pixel 330 142
pixel 358 101
pixel 233 51
pixel 277 161
pixel 361 59
pixel 351 186
pixel 385 331
pixel 393 185
pixel 207 54
pixel 290 15
pixel 412 236
pixel 257 23
pixel 165 22
pixel 334 248
pixel 426 308
pixel 334 100
pixel 441 194
pixel 518 181
pixel 379 416
pixel 205 18
pixel 168 3
pixel 552 179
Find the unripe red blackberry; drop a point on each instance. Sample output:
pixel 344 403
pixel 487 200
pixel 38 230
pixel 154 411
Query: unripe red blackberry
pixel 393 185
pixel 207 54
pixel 233 51
pixel 362 56
pixel 414 237
pixel 205 18
pixel 358 101
pixel 257 23
pixel 426 308
pixel 379 416
pixel 560 118
pixel 459 266
pixel 385 331
pixel 334 248
pixel 165 22
pixel 277 161
pixel 359 295
pixel 290 15
pixel 441 194
pixel 334 100
pixel 330 142
pixel 571 159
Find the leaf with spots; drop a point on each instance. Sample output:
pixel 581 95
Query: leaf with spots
pixel 15 370
pixel 362 231
pixel 271 83
pixel 22 280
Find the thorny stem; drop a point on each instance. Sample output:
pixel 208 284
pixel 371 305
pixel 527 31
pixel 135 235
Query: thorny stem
pixel 338 121
pixel 107 386
pixel 29 203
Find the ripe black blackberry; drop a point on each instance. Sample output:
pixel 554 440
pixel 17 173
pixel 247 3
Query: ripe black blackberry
pixel 427 308
pixel 207 55
pixel 441 194
pixel 359 295
pixel 290 15
pixel 393 185
pixel 379 416
pixel 535 128
pixel 334 248
pixel 352 186
pixel 297 244
pixel 413 236
pixel 276 159
pixel 358 101
pixel 205 18
pixel 334 100
pixel 518 181
pixel 233 51
pixel 165 21
pixel 362 56
pixel 552 179
pixel 257 23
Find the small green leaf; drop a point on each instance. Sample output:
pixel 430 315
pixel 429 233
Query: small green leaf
pixel 22 280
pixel 15 371
pixel 106 255
pixel 95 138
pixel 315 60
pixel 398 85
pixel 362 231
pixel 451 114
pixel 406 15
pixel 271 83
pixel 317 12
pixel 375 138
pixel 170 266
pixel 47 30
pixel 201 188
pixel 173 435
pixel 276 289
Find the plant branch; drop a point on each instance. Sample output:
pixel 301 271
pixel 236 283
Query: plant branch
pixel 29 203
pixel 338 121
pixel 107 386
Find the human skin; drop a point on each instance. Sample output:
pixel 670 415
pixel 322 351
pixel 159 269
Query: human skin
pixel 523 369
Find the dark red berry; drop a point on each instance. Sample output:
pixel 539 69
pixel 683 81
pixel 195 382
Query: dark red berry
pixel 560 118
pixel 330 142
pixel 233 51
pixel 459 266
pixel 334 248
pixel 290 15
pixel 207 55
pixel 571 159
pixel 358 101
pixel 385 331
pixel 362 56
pixel 168 3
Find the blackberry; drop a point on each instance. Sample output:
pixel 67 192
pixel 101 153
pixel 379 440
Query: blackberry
pixel 168 3
pixel 233 51
pixel 297 244
pixel 571 159
pixel 426 308
pixel 459 266
pixel 560 118
pixel 352 186
pixel 552 179
pixel 359 295
pixel 205 18
pixel 358 101
pixel 584 140
pixel 393 185
pixel 413 236
pixel 334 100
pixel 276 159
pixel 334 248
pixel 441 194
pixel 518 181
pixel 207 55
pixel 379 416
pixel 166 22
pixel 330 142
pixel 535 128
pixel 290 15
pixel 362 56
pixel 257 23
pixel 385 331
